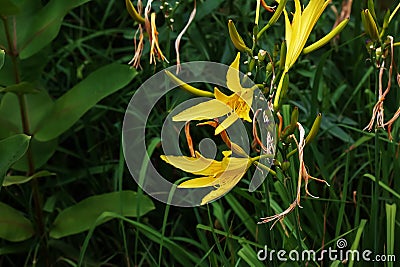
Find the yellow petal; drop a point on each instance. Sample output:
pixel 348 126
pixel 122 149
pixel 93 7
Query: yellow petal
pixel 203 111
pixel 227 153
pixel 198 166
pixel 221 96
pixel 226 123
pixel 198 182
pixel 225 185
pixel 237 165
pixel 232 76
pixel 310 17
pixel 298 36
pixel 247 97
pixel 299 30
pixel 288 28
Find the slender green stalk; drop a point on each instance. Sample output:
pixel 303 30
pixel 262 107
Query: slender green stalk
pixel 12 51
pixel 344 196
pixel 375 196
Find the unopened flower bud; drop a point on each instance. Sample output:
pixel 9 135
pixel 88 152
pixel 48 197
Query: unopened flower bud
pixel 369 24
pixel 132 11
pixel 314 129
pixel 236 38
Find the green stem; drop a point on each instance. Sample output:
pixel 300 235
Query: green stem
pixel 375 199
pixel 262 166
pixel 12 51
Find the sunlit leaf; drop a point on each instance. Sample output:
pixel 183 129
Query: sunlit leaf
pixel 82 216
pixel 72 105
pixel 11 180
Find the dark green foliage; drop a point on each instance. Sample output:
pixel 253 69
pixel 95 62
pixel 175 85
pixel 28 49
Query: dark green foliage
pixel 69 78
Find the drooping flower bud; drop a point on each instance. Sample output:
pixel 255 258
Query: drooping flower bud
pixel 314 129
pixel 237 39
pixel 132 11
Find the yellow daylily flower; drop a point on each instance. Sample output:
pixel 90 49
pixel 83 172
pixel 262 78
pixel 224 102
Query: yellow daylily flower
pixel 296 35
pixel 222 175
pixel 235 106
pixel 299 30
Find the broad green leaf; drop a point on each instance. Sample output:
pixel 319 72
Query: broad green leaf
pixel 8 8
pixel 41 153
pixel 46 24
pixel 2 55
pixel 73 104
pixel 14 226
pixel 11 180
pixel 38 105
pixel 21 88
pixel 83 216
pixel 11 149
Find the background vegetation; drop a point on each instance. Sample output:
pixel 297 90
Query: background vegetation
pixel 60 52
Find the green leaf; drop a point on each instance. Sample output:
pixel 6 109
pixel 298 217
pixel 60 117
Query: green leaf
pixel 2 55
pixel 46 24
pixel 334 129
pixel 390 229
pixel 206 8
pixel 383 185
pixel 242 213
pixel 176 250
pixel 8 8
pixel 83 216
pixel 356 242
pixel 11 180
pixel 73 104
pixel 11 149
pixel 250 256
pixel 21 88
pixel 41 152
pixel 38 105
pixel 14 226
